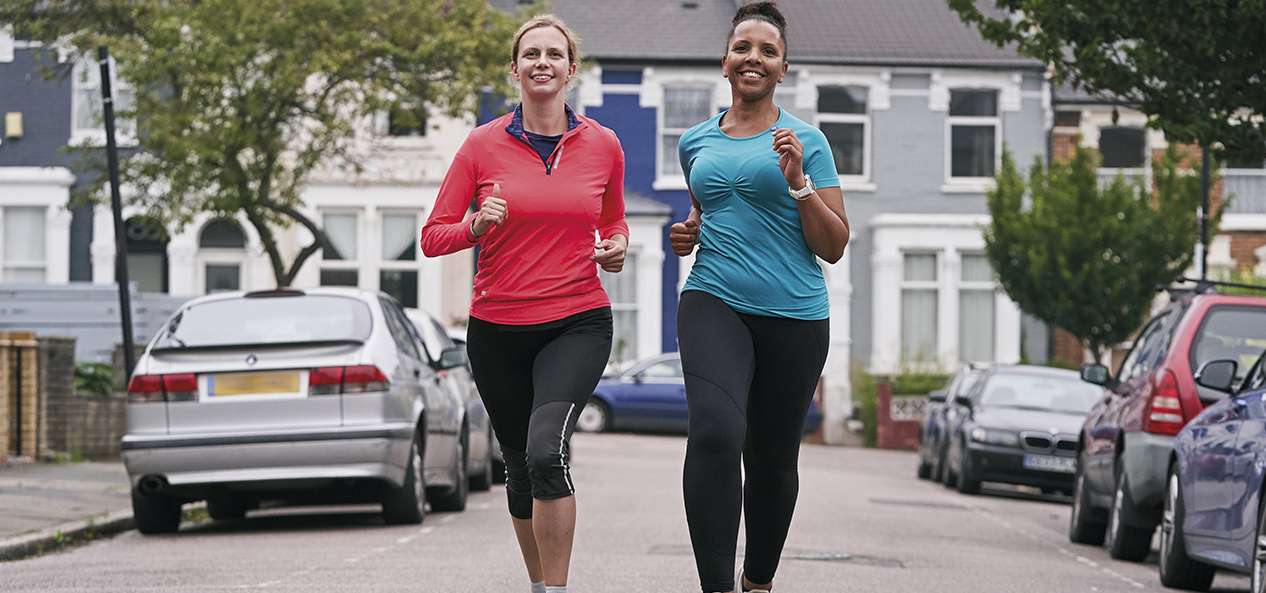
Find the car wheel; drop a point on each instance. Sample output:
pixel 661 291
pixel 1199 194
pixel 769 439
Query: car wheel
pixel 925 469
pixel 407 504
pixel 454 499
pixel 1125 541
pixel 1083 526
pixel 1177 569
pixel 968 483
pixel 483 480
pixel 596 417
pixel 155 513
pixel 228 508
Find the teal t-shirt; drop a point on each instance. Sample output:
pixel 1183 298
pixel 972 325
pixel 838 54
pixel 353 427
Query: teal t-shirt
pixel 752 254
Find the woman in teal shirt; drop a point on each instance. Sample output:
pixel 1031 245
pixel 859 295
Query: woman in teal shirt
pixel 752 322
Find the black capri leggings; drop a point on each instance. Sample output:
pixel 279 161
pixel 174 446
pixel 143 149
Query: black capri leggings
pixel 749 382
pixel 534 381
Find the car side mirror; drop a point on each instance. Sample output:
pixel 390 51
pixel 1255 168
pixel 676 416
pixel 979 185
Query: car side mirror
pixel 1095 373
pixel 1217 374
pixel 937 396
pixel 451 357
pixel 962 400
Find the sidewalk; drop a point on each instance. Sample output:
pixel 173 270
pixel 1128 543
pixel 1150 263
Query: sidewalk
pixel 45 505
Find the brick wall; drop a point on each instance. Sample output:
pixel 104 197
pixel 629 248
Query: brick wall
pixel 86 424
pixel 89 425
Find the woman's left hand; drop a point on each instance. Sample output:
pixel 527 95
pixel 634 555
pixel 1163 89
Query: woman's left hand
pixel 790 156
pixel 610 253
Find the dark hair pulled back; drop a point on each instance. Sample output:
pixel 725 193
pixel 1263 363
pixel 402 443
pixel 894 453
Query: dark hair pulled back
pixel 762 11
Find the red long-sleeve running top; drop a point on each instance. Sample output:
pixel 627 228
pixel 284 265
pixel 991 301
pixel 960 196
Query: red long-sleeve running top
pixel 535 266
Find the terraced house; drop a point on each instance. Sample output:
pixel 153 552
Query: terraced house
pixel 917 109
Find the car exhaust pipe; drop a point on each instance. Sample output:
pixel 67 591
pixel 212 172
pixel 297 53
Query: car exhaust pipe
pixel 151 485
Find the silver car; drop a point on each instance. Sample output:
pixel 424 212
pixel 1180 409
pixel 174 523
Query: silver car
pixel 315 395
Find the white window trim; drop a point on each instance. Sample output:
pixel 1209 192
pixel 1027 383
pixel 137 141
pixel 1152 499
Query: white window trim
pixel 970 184
pixel 654 81
pixel 359 263
pixel 96 136
pixel 7 44
pixel 47 188
pixel 950 235
pixel 391 264
pixel 935 285
pixel 975 286
pixel 862 181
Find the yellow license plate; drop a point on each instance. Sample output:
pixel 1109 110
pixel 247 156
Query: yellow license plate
pixel 249 383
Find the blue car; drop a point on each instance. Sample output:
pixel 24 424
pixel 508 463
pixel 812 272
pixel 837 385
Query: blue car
pixel 649 396
pixel 1213 514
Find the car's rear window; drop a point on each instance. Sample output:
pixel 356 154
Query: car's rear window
pixel 1230 332
pixel 275 320
pixel 1040 392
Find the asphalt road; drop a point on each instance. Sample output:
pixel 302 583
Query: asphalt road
pixel 864 524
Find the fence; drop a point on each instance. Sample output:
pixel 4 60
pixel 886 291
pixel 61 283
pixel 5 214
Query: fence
pixel 897 419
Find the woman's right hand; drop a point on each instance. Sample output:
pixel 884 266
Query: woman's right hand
pixel 683 236
pixel 492 212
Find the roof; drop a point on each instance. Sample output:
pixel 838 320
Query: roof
pixel 853 32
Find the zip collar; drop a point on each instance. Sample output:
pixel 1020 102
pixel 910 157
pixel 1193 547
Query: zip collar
pixel 516 130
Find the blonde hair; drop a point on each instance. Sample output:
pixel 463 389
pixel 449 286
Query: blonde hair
pixel 548 20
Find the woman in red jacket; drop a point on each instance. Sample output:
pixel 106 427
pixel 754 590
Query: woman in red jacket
pixel 549 185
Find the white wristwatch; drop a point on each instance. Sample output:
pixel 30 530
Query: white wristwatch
pixel 803 193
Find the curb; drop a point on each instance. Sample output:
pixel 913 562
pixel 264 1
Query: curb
pixel 58 536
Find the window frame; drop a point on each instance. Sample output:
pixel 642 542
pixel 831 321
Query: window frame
pixel 820 118
pixel 972 184
pixel 125 134
pixel 5 263
pixel 392 265
pixel 935 286
pixel 962 285
pixel 664 181
pixel 345 265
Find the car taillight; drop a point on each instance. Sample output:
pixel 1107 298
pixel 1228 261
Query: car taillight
pixel 325 381
pixel 353 379
pixel 181 388
pixel 146 388
pixel 1163 413
pixel 359 379
pixel 156 388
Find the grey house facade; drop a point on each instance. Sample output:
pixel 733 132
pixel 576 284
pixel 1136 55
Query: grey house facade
pixel 918 109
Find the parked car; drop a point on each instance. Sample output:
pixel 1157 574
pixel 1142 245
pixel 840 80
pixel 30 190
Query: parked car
pixel 650 395
pixel 938 413
pixel 323 394
pixel 1124 446
pixel 480 446
pixel 1019 426
pixel 1212 514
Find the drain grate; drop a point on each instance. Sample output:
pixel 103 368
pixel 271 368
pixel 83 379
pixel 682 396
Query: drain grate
pixel 922 503
pixel 790 554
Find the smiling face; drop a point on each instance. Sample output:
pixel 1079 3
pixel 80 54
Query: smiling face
pixel 543 66
pixel 755 62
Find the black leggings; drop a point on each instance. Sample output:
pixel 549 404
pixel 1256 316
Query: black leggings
pixel 535 380
pixel 740 367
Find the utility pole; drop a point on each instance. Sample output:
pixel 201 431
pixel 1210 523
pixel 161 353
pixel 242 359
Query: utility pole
pixel 116 203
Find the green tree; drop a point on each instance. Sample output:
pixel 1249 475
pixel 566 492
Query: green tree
pixel 237 101
pixel 1088 258
pixel 1198 68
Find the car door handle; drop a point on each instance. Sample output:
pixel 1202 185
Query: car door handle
pixel 417 373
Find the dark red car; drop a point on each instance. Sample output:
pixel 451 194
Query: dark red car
pixel 1125 443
